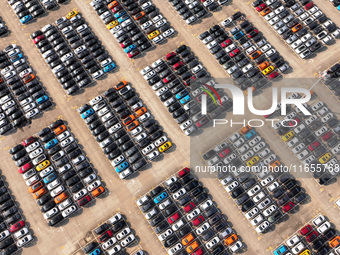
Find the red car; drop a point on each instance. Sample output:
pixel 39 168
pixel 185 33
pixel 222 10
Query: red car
pixel 313 146
pixel 38 39
pixel 169 78
pixel 188 81
pixel 170 55
pixel 289 206
pixel 309 5
pixel 84 200
pixel 226 43
pixel 202 122
pixel 189 207
pixel 234 53
pixel 305 230
pixel 253 33
pixel 273 75
pixel 326 136
pixel 312 236
pixel 173 218
pixel 197 252
pixel 177 65
pixel 28 141
pixel 224 153
pixel 17 226
pixel 105 236
pixel 25 167
pixel 183 172
pixel 126 43
pixel 198 220
pixel 116 9
pixel 133 53
pixel 261 7
pixel 292 123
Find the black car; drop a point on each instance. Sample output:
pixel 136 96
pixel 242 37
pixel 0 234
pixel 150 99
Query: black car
pixel 55 220
pixel 47 206
pixel 101 229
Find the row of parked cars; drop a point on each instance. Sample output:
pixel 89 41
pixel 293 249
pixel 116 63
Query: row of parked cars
pixel 192 11
pixel 170 77
pixel 335 3
pixel 319 236
pixel 124 129
pixel 294 21
pixel 332 79
pixel 3 28
pixel 260 200
pixel 49 167
pixel 22 97
pixel 186 220
pixel 113 236
pixel 10 215
pixel 313 139
pixel 232 59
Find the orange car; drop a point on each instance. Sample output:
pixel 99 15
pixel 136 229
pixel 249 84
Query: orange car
pixel 186 240
pixel 265 11
pixel 296 28
pixel 252 89
pixel 35 187
pixel 59 129
pixel 98 191
pixel 335 242
pixel 230 240
pixel 264 65
pixel 1 80
pixel 120 85
pixel 60 198
pixel 40 193
pixel 140 111
pixel 29 78
pixel 255 54
pixel 128 119
pixel 276 163
pixel 139 15
pixel 192 247
pixel 132 125
pixel 112 5
pixel 244 129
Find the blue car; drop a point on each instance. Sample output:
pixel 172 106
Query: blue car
pixel 95 252
pixel 109 67
pixel 26 19
pixel 130 48
pixel 119 14
pixel 16 57
pixel 181 94
pixel 159 198
pixel 122 167
pixel 281 250
pixel 338 8
pixel 51 143
pixel 42 99
pixel 87 114
pixel 50 178
pixel 238 35
pixel 123 18
pixel 185 99
pixel 250 134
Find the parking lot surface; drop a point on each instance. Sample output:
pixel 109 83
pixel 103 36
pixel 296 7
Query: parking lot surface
pixel 122 195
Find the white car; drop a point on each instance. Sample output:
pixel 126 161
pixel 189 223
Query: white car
pixel 299 148
pixel 169 32
pixel 160 141
pixel 93 185
pixel 250 214
pixel 148 148
pixel 269 210
pixel 202 228
pixel 298 248
pixel 123 233
pixel 20 233
pixel 179 193
pixel 24 241
pixel 293 240
pixel 232 186
pixel 324 227
pixel 164 204
pixel 80 194
pixel 49 214
pixel 107 244
pixel 53 184
pixel 236 247
pixel 206 204
pixel 115 218
pixel 212 243
pixel 262 227
pixel 67 141
pixel 259 196
pixel 114 249
pixel 193 214
pixel 66 203
pixel 127 172
pixel 317 221
pixel 165 234
pixel 129 239
pixel 259 147
pixel 55 192
pixel 36 153
pixel 63 135
pixel 177 225
pixel 322 111
pixel 142 200
pixel 90 178
pixel 174 249
pixel 69 210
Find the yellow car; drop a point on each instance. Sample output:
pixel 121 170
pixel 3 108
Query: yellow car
pixel 288 136
pixel 165 147
pixel 253 160
pixel 112 24
pixel 268 70
pixel 306 252
pixel 153 34
pixel 43 165
pixel 325 158
pixel 71 14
